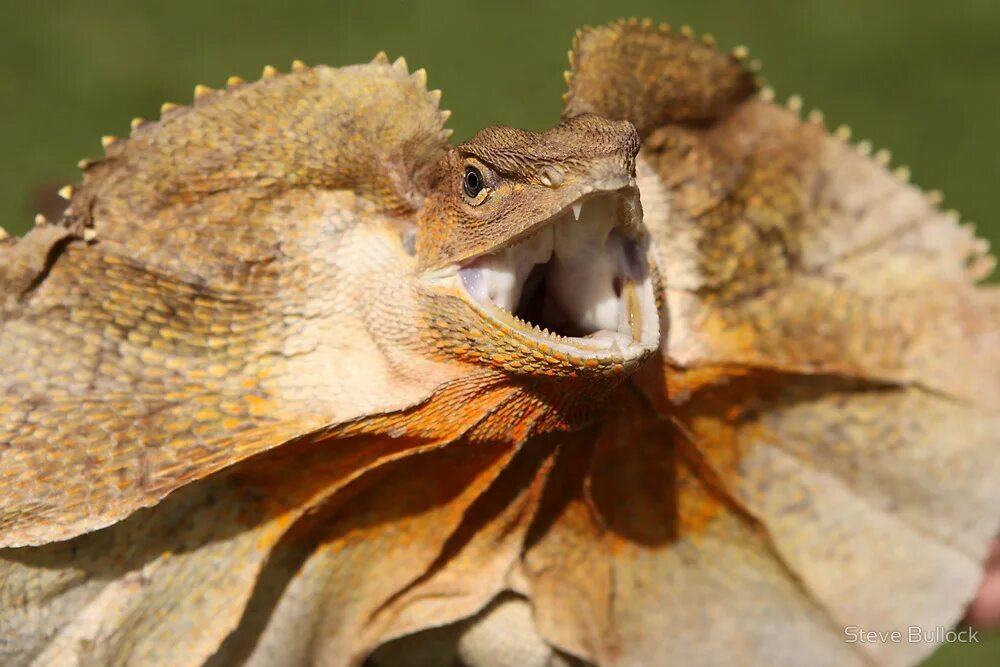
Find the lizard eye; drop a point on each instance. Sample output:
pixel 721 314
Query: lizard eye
pixel 472 182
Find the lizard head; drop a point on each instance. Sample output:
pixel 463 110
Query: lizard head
pixel 534 246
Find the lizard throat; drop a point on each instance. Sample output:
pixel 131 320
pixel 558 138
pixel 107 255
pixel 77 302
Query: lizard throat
pixel 580 280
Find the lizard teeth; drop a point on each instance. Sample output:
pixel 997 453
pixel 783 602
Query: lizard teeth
pixel 566 279
pixel 500 277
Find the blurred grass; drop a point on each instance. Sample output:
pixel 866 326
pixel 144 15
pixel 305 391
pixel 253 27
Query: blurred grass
pixel 920 77
pixel 916 76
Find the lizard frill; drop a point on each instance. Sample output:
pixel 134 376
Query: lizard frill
pixel 241 251
pixel 809 442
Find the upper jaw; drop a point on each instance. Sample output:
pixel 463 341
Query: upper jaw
pixel 576 282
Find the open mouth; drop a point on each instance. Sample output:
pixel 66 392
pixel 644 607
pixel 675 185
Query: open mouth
pixel 580 280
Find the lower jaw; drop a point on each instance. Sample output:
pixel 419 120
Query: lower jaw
pixel 622 327
pixel 603 351
pixel 485 335
pixel 602 347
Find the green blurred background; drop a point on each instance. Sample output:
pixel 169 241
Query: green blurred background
pixel 921 77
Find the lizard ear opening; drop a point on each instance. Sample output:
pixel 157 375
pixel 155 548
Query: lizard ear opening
pixel 409 237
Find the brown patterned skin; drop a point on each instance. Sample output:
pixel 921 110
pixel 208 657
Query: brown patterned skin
pixel 246 424
pixel 532 177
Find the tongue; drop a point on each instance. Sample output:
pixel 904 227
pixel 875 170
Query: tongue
pixel 582 288
pixel 585 263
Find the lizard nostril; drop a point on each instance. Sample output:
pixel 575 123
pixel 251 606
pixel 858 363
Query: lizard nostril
pixel 551 175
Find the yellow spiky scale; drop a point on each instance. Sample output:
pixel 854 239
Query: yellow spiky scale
pixel 708 40
pixel 380 58
pixel 420 76
pixel 953 215
pixel 167 107
pixel 83 164
pixel 107 140
pixel 435 95
pixel 40 219
pixel 935 197
pixel 843 133
pixel 686 31
pixel 865 147
pixel 137 122
pixel 902 173
pixel 983 266
pixel 89 234
pixel 646 23
pixel 235 81
pixel 633 21
pixel 883 157
pixel 269 72
pixel 981 246
pixel 665 28
pixel 740 52
pixel 816 117
pixel 4 234
pixel 401 65
pixel 571 57
pixel 66 192
pixel 767 94
pixel 794 103
pixel 445 115
pixel 299 66
pixel 200 91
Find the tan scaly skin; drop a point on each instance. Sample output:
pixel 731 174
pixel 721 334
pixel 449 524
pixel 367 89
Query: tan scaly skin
pixel 293 378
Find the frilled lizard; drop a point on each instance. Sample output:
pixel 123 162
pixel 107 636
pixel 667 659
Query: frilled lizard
pixel 683 380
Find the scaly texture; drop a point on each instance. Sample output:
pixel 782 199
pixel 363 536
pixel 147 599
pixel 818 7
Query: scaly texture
pixel 828 356
pixel 253 306
pixel 247 260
